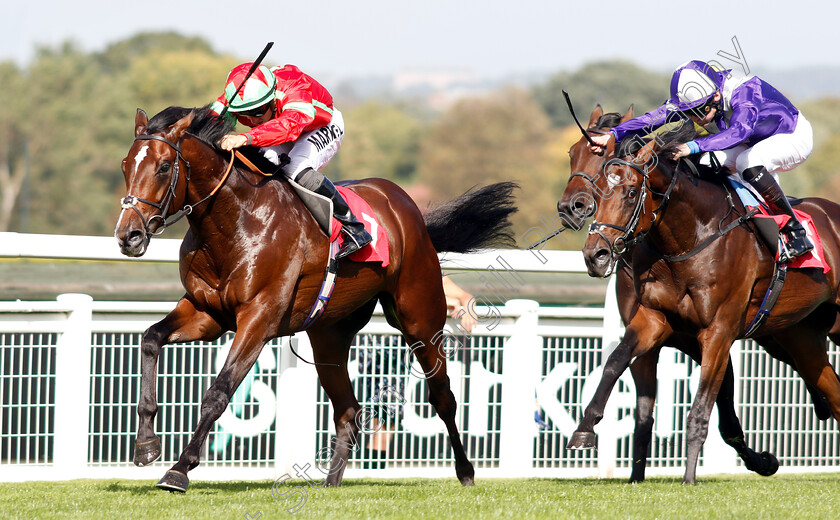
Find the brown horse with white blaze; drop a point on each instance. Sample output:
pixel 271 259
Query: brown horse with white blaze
pixel 711 295
pixel 576 204
pixel 253 262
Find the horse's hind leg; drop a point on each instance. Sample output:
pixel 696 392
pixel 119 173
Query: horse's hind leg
pixel 764 463
pixel 330 348
pixel 807 347
pixel 772 347
pixel 184 323
pixel 420 312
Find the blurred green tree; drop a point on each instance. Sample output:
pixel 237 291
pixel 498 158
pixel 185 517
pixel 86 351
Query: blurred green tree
pixel 614 84
pixel 382 141
pixel 14 160
pixel 504 136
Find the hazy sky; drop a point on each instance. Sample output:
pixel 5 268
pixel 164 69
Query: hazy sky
pixel 488 37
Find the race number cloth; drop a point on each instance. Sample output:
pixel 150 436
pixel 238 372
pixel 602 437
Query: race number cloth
pixel 813 259
pixel 377 250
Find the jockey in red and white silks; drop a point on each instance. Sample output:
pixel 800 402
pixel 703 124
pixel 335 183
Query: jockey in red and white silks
pixel 288 112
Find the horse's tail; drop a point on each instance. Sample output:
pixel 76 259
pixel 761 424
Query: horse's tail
pixel 478 219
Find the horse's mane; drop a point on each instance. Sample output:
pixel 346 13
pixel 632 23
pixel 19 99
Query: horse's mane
pixel 667 141
pixel 206 126
pixel 607 121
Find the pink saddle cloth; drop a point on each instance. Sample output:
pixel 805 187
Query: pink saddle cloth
pixel 815 257
pixel 378 249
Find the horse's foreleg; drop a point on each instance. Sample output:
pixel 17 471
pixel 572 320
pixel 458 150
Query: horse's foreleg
pixel 247 344
pixel 715 357
pixel 647 330
pixel 184 323
pixel 643 370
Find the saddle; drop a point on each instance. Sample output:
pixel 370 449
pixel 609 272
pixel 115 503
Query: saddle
pixel 321 208
pixel 768 225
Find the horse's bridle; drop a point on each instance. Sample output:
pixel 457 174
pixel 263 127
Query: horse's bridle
pixel 620 245
pixel 130 201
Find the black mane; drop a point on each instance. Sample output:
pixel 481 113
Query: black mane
pixel 607 121
pixel 667 141
pixel 206 126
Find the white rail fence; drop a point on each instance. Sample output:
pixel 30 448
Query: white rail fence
pixel 69 384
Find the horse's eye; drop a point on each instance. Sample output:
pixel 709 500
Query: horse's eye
pixel 164 167
pixel 632 193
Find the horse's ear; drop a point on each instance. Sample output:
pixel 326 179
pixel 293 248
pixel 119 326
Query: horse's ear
pixel 596 114
pixel 177 130
pixel 627 116
pixel 141 120
pixel 646 152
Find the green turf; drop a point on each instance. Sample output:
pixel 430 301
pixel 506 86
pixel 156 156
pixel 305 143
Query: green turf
pixel 808 496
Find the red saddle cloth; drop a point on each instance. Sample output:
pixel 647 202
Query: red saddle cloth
pixel 377 250
pixel 815 257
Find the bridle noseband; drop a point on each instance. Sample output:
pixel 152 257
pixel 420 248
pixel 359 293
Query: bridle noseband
pixel 130 201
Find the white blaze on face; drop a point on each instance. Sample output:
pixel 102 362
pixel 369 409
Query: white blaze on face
pixel 137 160
pixel 140 156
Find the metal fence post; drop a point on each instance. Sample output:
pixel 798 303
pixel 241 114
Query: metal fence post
pixel 520 375
pixel 72 387
pixel 296 409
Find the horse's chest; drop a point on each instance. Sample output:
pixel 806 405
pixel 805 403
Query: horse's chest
pixel 688 304
pixel 655 290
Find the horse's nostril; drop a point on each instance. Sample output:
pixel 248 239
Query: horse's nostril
pixel 135 237
pixel 601 253
pixel 582 210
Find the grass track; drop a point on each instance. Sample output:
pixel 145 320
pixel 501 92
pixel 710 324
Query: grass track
pixel 786 497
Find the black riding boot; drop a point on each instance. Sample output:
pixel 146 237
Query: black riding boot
pixel 796 242
pixel 356 236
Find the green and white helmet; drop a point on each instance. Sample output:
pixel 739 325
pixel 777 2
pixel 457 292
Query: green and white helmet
pixel 256 92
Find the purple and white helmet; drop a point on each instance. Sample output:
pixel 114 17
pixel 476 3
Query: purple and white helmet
pixel 693 85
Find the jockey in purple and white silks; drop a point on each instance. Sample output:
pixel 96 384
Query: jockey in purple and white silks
pixel 755 132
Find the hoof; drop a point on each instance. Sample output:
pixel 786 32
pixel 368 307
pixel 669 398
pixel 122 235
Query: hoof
pixel 764 463
pixel 146 452
pixel 770 466
pixel 636 479
pixel 466 475
pixel 174 481
pixel 583 441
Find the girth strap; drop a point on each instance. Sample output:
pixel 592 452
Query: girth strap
pixel 773 291
pixel 327 287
